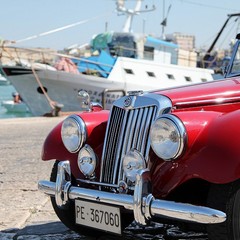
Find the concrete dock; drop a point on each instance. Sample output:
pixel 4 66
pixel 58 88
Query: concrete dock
pixel 20 169
pixel 25 212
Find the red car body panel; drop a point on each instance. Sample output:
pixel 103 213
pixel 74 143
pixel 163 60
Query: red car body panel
pixel 211 93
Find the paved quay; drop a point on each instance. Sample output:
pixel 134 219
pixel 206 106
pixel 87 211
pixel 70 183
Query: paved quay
pixel 26 213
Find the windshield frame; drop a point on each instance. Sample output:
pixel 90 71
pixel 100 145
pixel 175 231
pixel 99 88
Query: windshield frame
pixel 235 58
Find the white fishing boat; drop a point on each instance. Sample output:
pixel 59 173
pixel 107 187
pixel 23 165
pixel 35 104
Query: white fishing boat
pixel 124 62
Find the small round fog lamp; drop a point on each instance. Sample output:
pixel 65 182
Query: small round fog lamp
pixel 87 161
pixel 132 162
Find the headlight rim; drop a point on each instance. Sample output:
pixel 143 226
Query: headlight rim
pixel 182 136
pixel 82 132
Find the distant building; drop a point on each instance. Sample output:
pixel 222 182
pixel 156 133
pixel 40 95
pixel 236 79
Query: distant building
pixel 186 52
pixel 184 41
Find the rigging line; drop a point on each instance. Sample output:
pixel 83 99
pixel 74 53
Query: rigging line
pixel 206 5
pixel 214 35
pixel 58 29
pixel 234 23
pixel 50 102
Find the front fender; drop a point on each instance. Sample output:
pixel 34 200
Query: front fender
pixel 53 147
pixel 223 148
pixel 212 153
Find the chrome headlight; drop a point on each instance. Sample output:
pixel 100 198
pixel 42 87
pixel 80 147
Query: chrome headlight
pixel 132 162
pixel 87 161
pixel 73 133
pixel 168 137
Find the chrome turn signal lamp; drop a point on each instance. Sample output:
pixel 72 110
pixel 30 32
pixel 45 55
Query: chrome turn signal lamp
pixel 168 137
pixel 132 162
pixel 87 161
pixel 73 133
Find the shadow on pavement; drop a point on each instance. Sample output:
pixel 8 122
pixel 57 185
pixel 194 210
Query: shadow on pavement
pixel 41 231
pixel 58 231
pixel 44 229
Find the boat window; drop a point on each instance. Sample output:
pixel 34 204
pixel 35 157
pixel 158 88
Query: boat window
pixel 151 74
pixel 170 76
pixel 128 71
pixel 203 79
pixel 188 79
pixel 148 53
pixel 122 45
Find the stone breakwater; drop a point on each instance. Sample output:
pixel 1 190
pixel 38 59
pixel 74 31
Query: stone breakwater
pixel 26 214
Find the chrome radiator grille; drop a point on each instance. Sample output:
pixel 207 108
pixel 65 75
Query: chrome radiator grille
pixel 127 129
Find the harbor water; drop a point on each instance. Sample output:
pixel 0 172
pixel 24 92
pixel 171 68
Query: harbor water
pixel 6 94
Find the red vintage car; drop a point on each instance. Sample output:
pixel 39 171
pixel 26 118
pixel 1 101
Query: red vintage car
pixel 172 153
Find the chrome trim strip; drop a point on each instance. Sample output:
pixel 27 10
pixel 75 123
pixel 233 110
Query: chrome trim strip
pixel 215 101
pixel 97 183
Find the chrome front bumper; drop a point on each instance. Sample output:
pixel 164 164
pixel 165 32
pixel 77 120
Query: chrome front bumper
pixel 143 204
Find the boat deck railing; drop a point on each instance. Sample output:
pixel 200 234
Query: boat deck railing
pixel 46 57
pixel 11 55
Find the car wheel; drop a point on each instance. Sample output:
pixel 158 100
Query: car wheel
pixel 226 198
pixel 67 216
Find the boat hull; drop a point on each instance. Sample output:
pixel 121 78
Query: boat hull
pixel 127 75
pixel 62 88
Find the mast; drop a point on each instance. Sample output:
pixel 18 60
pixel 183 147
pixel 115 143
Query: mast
pixel 130 13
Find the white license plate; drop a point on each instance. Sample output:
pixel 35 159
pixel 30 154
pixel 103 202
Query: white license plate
pixel 98 216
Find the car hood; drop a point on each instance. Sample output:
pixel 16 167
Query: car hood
pixel 215 92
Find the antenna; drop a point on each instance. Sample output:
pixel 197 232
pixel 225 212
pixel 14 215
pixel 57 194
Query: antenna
pixel 164 22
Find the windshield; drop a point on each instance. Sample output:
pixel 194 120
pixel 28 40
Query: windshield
pixel 235 63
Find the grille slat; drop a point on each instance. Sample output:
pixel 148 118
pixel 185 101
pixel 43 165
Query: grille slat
pixel 111 145
pixel 132 131
pixel 127 129
pixel 149 119
pixel 121 141
pixel 138 130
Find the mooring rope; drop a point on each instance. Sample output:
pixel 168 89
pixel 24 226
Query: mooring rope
pixel 50 102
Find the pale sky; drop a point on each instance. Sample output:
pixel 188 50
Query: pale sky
pixel 21 19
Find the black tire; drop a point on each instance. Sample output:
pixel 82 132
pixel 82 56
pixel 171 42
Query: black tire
pixel 67 216
pixel 226 198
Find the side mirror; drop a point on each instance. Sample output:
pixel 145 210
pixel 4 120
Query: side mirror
pixel 84 98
